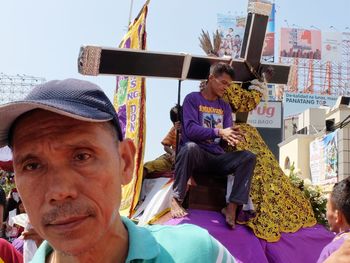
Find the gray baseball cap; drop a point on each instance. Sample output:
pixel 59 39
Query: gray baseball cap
pixel 77 99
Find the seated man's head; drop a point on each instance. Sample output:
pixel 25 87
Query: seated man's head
pixel 220 78
pixel 70 161
pixel 338 207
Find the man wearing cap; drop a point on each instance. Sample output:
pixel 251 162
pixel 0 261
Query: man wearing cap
pixel 70 161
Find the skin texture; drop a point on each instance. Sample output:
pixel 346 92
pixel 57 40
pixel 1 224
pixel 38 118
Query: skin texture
pixel 69 174
pixel 332 216
pixel 336 218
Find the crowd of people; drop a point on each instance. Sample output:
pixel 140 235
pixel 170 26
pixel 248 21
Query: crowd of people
pixel 12 234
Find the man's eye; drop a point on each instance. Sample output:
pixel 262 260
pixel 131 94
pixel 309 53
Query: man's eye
pixel 31 166
pixel 82 156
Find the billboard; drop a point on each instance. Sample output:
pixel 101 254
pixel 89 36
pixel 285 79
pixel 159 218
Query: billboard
pixel 231 28
pixel 332 47
pixel 324 159
pixel 269 45
pixel 300 43
pixel 266 115
pixel 295 103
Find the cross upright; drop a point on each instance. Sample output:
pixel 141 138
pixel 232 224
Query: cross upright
pixel 94 60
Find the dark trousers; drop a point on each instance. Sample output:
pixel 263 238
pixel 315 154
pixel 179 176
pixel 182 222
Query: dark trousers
pixel 192 160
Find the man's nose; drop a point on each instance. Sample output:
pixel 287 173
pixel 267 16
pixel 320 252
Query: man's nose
pixel 61 184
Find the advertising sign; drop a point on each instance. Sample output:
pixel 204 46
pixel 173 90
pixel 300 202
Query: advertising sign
pixel 324 159
pixel 294 103
pixel 300 43
pixel 266 116
pixel 232 28
pixel 332 47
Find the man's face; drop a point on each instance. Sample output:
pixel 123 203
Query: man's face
pixel 219 84
pixel 69 175
pixel 332 216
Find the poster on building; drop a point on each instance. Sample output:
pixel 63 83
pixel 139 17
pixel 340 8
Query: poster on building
pixel 295 103
pixel 324 159
pixel 300 43
pixel 266 115
pixel 231 28
pixel 269 45
pixel 332 47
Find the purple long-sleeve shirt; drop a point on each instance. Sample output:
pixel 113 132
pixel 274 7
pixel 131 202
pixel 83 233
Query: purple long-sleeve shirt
pixel 202 119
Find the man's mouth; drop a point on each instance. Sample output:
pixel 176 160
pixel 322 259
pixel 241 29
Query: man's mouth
pixel 67 224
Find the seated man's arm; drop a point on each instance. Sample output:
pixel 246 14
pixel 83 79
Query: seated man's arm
pixel 192 124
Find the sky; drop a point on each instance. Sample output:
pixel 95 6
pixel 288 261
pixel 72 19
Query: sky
pixel 42 38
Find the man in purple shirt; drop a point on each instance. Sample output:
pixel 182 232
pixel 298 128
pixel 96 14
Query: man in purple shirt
pixel 207 120
pixel 338 216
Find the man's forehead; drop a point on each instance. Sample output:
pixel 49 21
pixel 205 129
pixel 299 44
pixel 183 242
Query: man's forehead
pixel 41 122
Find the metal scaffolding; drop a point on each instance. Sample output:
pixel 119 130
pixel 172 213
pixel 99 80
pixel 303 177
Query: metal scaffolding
pixel 321 77
pixel 15 87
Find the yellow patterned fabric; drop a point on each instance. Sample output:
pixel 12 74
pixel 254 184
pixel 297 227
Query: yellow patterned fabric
pixel 280 207
pixel 241 100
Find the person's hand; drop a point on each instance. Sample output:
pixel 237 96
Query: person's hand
pixel 342 255
pixel 177 125
pixel 232 135
pixel 173 155
pixel 33 235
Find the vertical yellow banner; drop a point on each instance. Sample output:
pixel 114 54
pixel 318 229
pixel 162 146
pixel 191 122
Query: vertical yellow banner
pixel 129 101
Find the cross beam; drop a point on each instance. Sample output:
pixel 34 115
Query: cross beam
pixel 94 60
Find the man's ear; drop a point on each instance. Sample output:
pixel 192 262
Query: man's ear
pixel 127 156
pixel 339 217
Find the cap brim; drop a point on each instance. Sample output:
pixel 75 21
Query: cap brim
pixel 11 111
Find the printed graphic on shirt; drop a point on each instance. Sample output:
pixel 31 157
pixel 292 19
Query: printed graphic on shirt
pixel 212 118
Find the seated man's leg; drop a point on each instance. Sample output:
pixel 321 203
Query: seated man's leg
pixel 187 161
pixel 242 164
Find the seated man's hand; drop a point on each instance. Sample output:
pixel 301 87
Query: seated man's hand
pixel 232 135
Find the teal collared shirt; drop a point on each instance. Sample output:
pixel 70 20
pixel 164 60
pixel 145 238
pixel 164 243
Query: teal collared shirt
pixel 168 244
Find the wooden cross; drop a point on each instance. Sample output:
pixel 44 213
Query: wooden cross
pixel 94 60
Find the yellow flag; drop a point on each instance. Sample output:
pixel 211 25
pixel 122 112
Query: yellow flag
pixel 129 101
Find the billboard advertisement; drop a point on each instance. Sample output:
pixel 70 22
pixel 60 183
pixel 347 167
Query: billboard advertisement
pixel 231 28
pixel 324 159
pixel 300 43
pixel 295 103
pixel 266 115
pixel 332 47
pixel 269 45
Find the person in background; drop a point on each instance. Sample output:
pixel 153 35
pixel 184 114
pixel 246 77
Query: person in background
pixel 8 254
pixel 207 122
pixel 2 210
pixel 338 216
pixel 165 162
